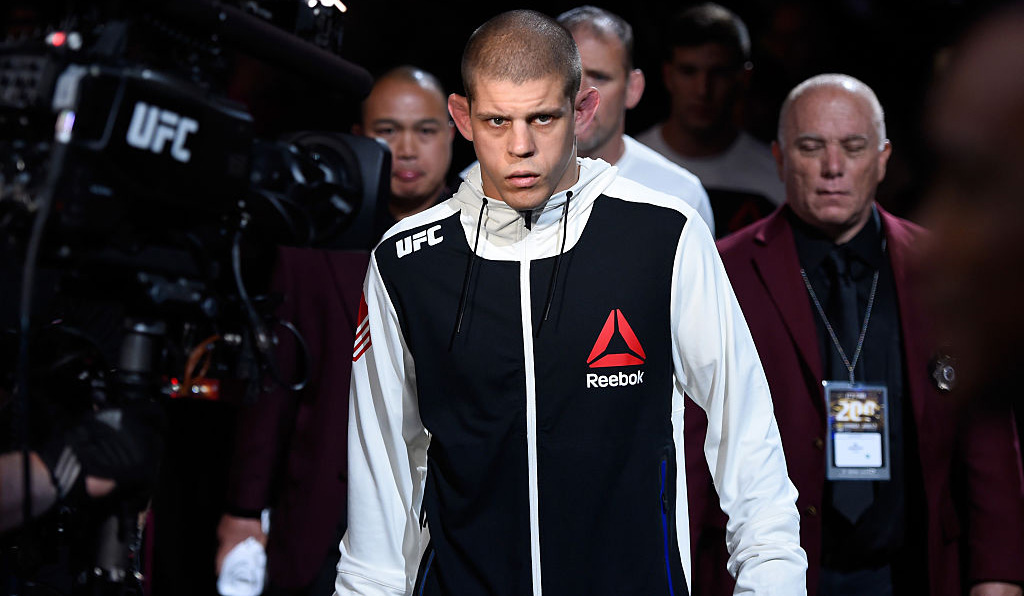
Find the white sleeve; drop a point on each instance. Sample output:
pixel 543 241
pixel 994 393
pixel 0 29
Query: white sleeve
pixel 383 544
pixel 717 365
pixel 703 205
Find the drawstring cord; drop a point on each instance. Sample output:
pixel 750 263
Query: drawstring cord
pixel 469 274
pixel 558 260
pixel 472 259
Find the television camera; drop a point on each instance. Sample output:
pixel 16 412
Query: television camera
pixel 134 166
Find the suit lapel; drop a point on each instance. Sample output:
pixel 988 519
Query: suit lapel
pixel 779 269
pixel 911 325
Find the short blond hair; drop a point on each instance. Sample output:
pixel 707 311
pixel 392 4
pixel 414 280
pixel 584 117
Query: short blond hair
pixel 520 46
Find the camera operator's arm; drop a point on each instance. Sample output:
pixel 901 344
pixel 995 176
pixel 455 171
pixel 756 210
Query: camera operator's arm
pixel 44 492
pixel 114 447
pixel 12 488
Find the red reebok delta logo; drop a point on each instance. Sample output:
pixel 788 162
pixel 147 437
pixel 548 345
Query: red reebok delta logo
pixel 616 322
pixel 362 342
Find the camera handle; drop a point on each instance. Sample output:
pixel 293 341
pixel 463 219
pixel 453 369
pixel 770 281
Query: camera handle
pixel 115 567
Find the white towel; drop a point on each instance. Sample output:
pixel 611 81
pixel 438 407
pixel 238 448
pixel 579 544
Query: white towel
pixel 244 570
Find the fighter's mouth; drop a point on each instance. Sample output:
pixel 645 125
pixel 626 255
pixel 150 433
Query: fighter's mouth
pixel 522 179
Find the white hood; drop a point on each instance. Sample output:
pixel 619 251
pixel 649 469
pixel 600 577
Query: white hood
pixel 503 228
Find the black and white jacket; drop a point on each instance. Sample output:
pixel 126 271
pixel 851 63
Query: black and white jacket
pixel 516 409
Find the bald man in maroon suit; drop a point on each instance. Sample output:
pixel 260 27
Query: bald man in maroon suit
pixel 950 517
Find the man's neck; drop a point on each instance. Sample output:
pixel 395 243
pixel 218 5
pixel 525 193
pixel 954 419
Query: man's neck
pixel 836 234
pixel 611 152
pixel 842 236
pixel 689 143
pixel 402 208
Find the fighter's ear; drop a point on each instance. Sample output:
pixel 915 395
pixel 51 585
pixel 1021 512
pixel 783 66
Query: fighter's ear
pixel 458 107
pixel 587 101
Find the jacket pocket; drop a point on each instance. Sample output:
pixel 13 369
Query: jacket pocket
pixel 426 566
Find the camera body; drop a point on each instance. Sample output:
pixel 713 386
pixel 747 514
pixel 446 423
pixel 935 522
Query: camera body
pixel 132 167
pixel 144 151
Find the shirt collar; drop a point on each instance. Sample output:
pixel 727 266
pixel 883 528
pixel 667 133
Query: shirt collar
pixel 813 246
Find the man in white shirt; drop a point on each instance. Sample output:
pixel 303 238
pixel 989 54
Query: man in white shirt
pixel 605 42
pixel 706 72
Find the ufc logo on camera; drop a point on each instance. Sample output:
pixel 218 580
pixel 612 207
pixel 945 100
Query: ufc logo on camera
pixel 152 128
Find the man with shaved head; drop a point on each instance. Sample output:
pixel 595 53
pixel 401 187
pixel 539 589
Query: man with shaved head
pixel 605 43
pixel 902 490
pixel 521 361
pixel 407 109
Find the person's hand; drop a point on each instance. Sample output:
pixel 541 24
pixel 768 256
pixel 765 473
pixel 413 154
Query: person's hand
pixel 109 448
pixel 232 531
pixel 996 589
pixel 99 487
pixel 123 445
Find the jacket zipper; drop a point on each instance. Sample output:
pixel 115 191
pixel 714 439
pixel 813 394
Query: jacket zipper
pixel 531 414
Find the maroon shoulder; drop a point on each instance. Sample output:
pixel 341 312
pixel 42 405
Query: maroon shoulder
pixel 739 248
pixel 901 230
pixel 742 241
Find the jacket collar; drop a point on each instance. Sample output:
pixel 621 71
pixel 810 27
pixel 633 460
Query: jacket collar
pixel 504 225
pixel 914 323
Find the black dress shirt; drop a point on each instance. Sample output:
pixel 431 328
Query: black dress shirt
pixel 880 535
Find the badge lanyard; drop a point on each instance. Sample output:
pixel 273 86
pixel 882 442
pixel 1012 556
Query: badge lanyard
pixel 850 366
pixel 858 417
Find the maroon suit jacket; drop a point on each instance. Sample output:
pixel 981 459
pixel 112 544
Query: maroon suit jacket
pixel 291 448
pixel 988 523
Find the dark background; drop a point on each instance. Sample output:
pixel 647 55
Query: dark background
pixel 894 47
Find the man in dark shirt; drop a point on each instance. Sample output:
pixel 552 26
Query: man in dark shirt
pixel 874 441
